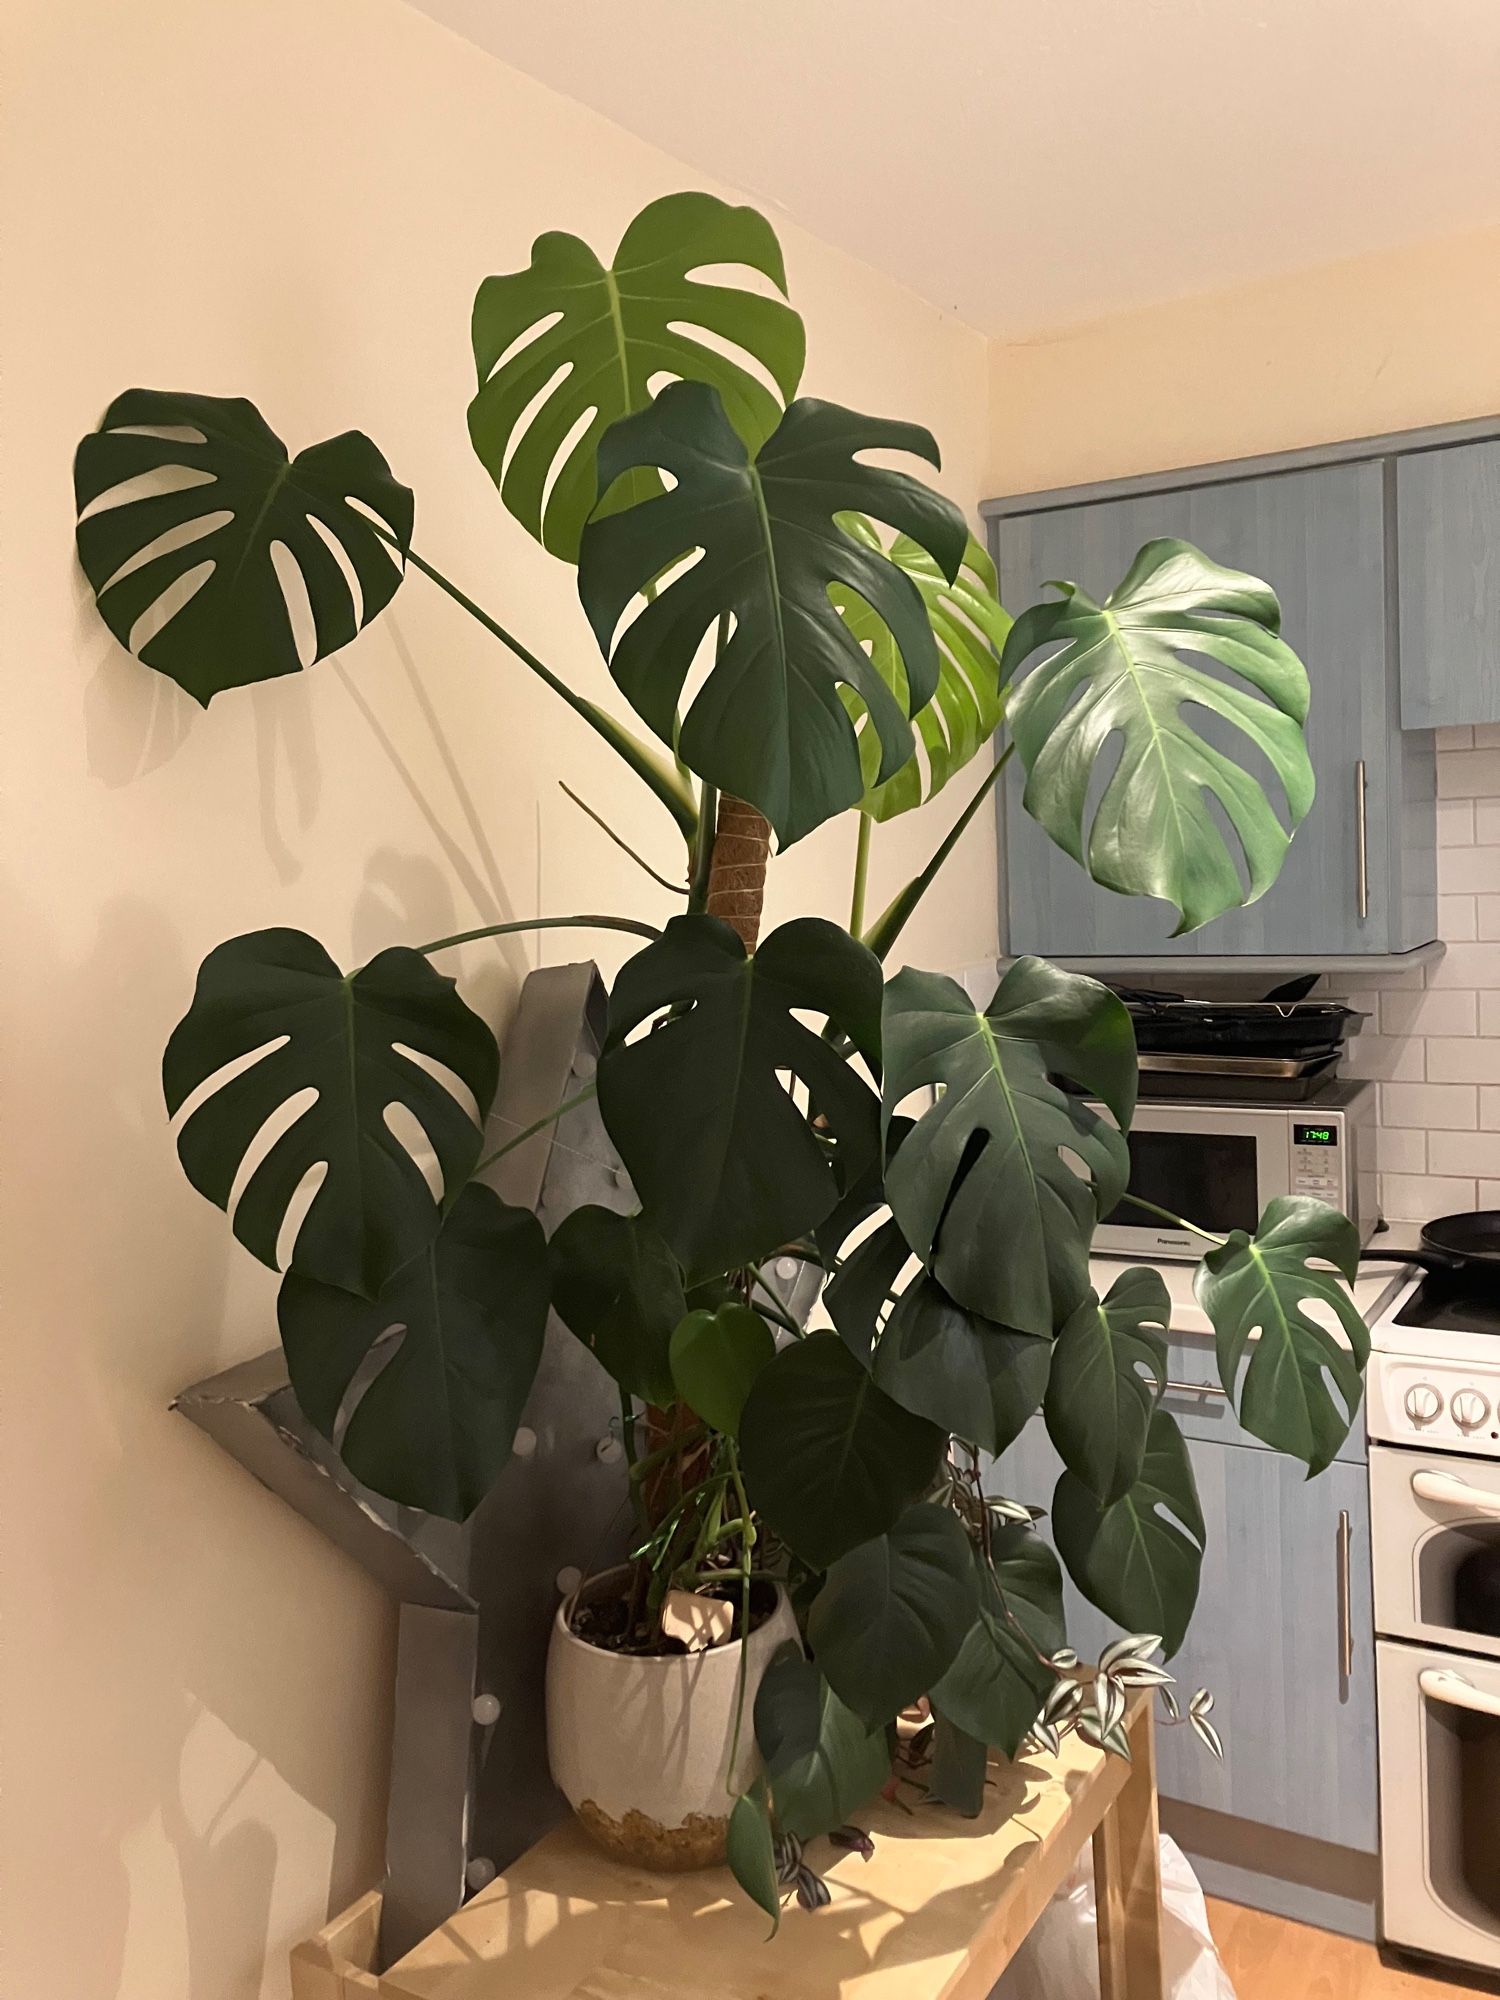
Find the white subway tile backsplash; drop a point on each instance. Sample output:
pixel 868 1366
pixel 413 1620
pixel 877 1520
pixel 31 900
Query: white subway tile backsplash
pixel 1439 1107
pixel 1487 735
pixel 1400 1151
pixel 1436 1011
pixel 1455 822
pixel 1486 917
pixel 1469 774
pixel 1468 871
pixel 1463 1059
pixel 1488 1194
pixel 1394 1058
pixel 1418 1197
pixel 1489 1108
pixel 1487 822
pixel 1454 736
pixel 1458 918
pixel 1473 965
pixel 1464 1152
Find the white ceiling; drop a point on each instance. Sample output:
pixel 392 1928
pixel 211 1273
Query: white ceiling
pixel 1032 163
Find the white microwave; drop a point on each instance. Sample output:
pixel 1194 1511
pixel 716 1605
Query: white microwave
pixel 1219 1164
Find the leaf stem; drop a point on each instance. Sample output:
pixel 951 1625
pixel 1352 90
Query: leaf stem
pixel 677 888
pixel 1177 1221
pixel 631 924
pixel 861 876
pixel 538 1125
pixel 887 927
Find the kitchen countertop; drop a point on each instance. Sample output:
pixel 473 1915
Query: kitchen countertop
pixel 1371 1288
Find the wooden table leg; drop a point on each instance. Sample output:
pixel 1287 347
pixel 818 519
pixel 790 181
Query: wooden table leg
pixel 1127 1879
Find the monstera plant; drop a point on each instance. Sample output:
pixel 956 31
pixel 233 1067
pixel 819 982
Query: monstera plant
pixel 801 632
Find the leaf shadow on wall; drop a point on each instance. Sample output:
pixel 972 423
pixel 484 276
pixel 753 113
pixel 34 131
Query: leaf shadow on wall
pixel 205 1681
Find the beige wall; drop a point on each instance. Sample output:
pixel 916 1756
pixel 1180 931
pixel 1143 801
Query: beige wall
pixel 294 203
pixel 1350 349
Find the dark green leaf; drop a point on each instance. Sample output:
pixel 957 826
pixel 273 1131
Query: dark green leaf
pixel 970 627
pixel 1138 1559
pixel 893 1612
pixel 962 1372
pixel 612 334
pixel 342 1037
pixel 959 1766
pixel 232 498
pixel 618 1287
pixel 751 1851
pixel 995 1688
pixel 434 1427
pixel 1121 673
pixel 726 1164
pixel 822 1762
pixel 1259 1284
pixel 1109 1368
pixel 980 1185
pixel 716 1357
pixel 829 1460
pixel 767 724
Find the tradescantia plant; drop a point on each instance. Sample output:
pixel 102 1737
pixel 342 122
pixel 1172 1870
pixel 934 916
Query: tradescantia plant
pixel 803 633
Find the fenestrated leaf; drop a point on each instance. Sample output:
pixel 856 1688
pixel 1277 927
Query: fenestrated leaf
pixel 221 499
pixel 996 1686
pixel 1128 670
pixel 960 1370
pixel 829 1459
pixel 1109 1368
pixel 1260 1284
pixel 434 1428
pixel 959 1765
pixel 343 1037
pixel 612 332
pixel 980 1185
pixel 751 1851
pixel 1138 1559
pixel 618 1287
pixel 767 724
pixel 716 1358
pixel 970 627
pixel 726 1164
pixel 893 1612
pixel 822 1762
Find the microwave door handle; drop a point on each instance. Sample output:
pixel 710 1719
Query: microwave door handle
pixel 1451 1491
pixel 1442 1684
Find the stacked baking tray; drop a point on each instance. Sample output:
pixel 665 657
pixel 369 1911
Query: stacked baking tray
pixel 1283 1049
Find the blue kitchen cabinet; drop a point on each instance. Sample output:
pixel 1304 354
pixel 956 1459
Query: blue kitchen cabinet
pixel 1284 1637
pixel 1360 877
pixel 1448 542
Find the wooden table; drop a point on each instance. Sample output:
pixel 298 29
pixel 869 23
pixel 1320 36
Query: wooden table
pixel 936 1915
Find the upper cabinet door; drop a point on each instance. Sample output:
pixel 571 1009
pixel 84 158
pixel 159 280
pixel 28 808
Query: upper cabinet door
pixel 1318 537
pixel 1448 535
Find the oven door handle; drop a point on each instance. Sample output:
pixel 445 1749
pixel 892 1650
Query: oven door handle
pixel 1451 1491
pixel 1442 1684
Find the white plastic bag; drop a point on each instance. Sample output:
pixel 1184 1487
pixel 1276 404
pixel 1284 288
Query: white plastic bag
pixel 1060 1959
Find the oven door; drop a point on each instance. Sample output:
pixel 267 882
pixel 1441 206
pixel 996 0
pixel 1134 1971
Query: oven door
pixel 1439 1781
pixel 1217 1166
pixel 1435 1532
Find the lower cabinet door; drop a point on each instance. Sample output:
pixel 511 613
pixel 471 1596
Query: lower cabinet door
pixel 1283 1636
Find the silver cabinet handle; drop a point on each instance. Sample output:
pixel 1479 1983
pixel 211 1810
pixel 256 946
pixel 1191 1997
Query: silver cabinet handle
pixel 1346 1607
pixel 1199 1389
pixel 1361 842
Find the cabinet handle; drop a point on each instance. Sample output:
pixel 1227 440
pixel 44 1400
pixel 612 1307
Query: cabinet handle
pixel 1346 1608
pixel 1361 843
pixel 1442 1684
pixel 1199 1389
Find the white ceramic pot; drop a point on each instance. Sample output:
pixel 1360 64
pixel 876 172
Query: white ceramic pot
pixel 639 1747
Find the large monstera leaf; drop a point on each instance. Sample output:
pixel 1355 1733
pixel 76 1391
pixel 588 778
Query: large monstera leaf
pixel 618 1289
pixel 725 1163
pixel 434 1428
pixel 995 1687
pixel 1301 1388
pixel 970 626
pixel 768 723
pixel 590 340
pixel 337 1052
pixel 1126 669
pixel 221 498
pixel 1138 1558
pixel 1109 1368
pixel 980 1185
pixel 822 1761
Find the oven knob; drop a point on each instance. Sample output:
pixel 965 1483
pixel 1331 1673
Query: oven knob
pixel 1469 1409
pixel 1423 1403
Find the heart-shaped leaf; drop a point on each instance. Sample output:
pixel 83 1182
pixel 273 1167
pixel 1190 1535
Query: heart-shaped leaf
pixel 354 1041
pixel 823 1763
pixel 829 1459
pixel 934 1357
pixel 1126 669
pixel 893 1612
pixel 1138 1559
pixel 716 1358
pixel 1109 1368
pixel 767 724
pixel 590 342
pixel 970 627
pixel 434 1428
pixel 618 1288
pixel 222 499
pixel 1259 1285
pixel 980 1185
pixel 750 1851
pixel 995 1688
pixel 726 1164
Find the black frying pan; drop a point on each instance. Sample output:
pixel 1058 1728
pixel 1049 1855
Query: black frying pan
pixel 1454 1245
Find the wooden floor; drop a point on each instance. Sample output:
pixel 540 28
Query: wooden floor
pixel 1270 1959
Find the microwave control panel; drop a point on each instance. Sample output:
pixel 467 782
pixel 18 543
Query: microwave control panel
pixel 1315 1158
